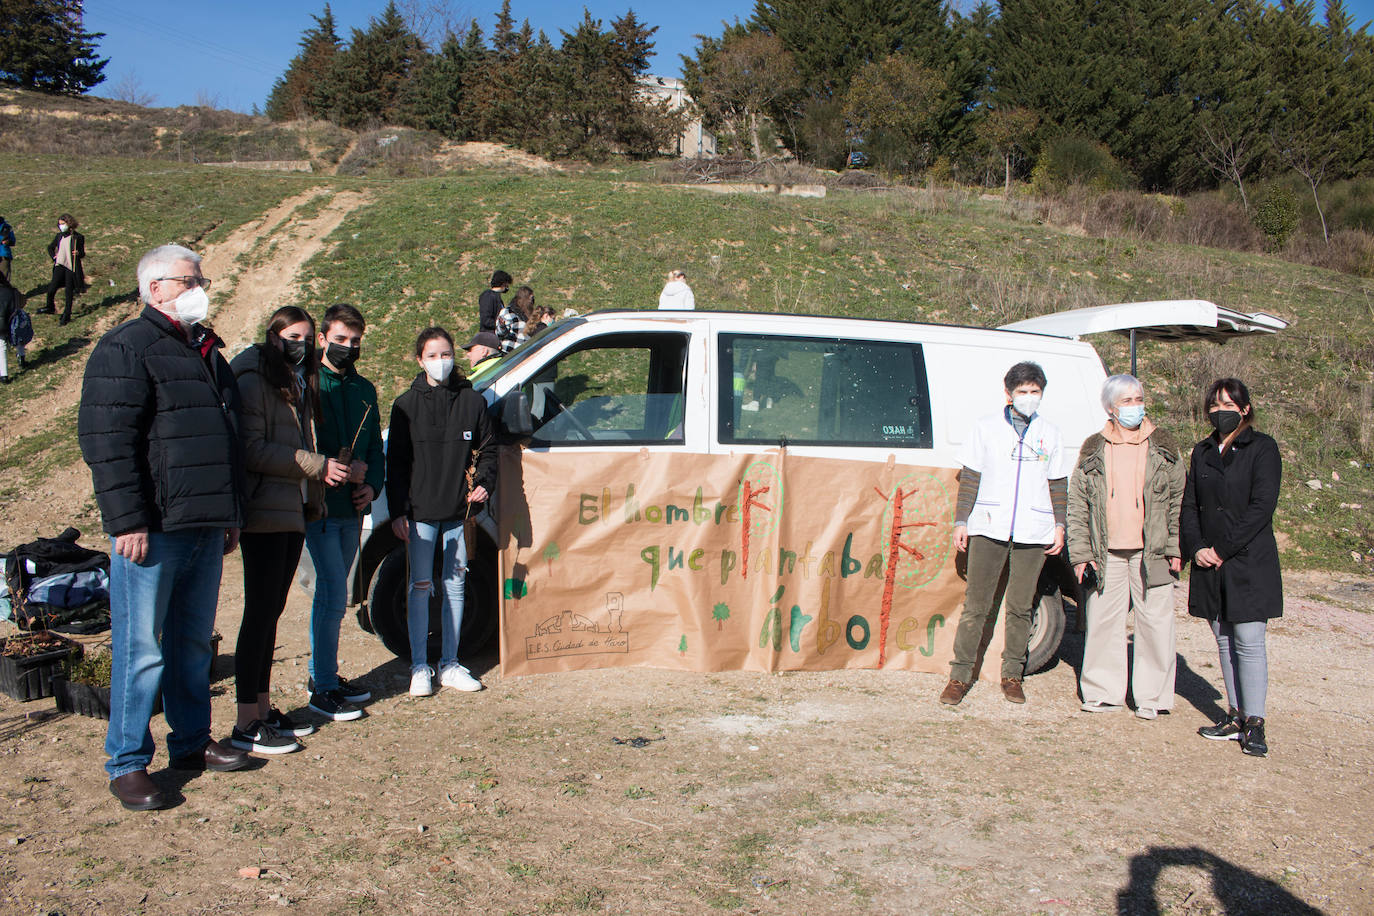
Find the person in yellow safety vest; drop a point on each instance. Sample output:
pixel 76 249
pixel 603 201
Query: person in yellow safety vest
pixel 483 353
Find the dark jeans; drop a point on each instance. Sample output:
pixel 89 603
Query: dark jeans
pixel 269 565
pixel 62 278
pixel 987 559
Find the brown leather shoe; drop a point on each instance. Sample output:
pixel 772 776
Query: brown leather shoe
pixel 1011 689
pixel 954 692
pixel 137 792
pixel 214 756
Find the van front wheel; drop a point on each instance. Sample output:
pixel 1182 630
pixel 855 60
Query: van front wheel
pixel 386 605
pixel 1047 629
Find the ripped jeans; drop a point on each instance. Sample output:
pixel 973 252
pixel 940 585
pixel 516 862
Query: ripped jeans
pixel 425 537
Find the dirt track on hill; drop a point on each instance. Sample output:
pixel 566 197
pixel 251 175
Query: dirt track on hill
pixel 255 269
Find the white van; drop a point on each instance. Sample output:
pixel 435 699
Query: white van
pixel 718 490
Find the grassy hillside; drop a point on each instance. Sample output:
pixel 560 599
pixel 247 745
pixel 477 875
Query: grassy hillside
pixel 423 250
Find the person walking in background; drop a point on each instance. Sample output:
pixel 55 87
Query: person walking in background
pixel 349 431
pixel 511 322
pixel 14 328
pixel 6 249
pixel 1010 515
pixel 158 426
pixel 286 477
pixel 676 293
pixel 1124 502
pixel 1227 531
pixel 440 459
pixel 67 250
pixel 489 304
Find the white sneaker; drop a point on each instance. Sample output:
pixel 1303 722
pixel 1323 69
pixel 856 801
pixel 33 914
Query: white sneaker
pixel 1145 712
pixel 421 682
pixel 457 677
pixel 1099 706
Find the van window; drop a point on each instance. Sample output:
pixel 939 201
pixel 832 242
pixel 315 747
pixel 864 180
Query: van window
pixel 815 391
pixel 623 389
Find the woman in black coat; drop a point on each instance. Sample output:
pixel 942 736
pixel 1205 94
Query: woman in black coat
pixel 67 250
pixel 1227 530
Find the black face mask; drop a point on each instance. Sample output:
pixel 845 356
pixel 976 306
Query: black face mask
pixel 296 351
pixel 1225 421
pixel 342 357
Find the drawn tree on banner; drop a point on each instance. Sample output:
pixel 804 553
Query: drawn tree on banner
pixel 760 507
pixel 916 540
pixel 551 554
pixel 720 613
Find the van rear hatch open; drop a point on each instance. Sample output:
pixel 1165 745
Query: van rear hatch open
pixel 1168 319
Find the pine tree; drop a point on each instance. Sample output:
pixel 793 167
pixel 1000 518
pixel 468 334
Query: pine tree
pixel 44 46
pixel 292 94
pixel 366 82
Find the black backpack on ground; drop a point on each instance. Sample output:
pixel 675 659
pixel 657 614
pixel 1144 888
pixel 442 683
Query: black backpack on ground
pixel 81 610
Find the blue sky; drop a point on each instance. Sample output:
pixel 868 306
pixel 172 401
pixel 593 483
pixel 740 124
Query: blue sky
pixel 183 52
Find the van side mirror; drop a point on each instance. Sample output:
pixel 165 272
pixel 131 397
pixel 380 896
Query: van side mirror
pixel 514 422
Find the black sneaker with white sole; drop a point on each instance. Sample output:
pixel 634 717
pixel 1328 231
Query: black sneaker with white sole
pixel 334 706
pixel 1228 729
pixel 287 725
pixel 262 739
pixel 1252 738
pixel 353 693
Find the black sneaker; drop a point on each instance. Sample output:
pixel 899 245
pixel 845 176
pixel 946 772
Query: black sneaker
pixel 262 738
pixel 332 705
pixel 1228 729
pixel 288 726
pixel 353 693
pixel 1252 738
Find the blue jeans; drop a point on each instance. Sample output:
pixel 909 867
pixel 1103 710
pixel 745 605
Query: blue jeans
pixel 162 612
pixel 425 537
pixel 1244 664
pixel 333 543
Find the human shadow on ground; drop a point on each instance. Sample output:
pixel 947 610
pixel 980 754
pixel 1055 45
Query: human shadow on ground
pixel 1240 892
pixel 1188 684
pixel 53 353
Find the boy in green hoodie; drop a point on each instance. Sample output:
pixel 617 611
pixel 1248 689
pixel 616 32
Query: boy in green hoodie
pixel 348 421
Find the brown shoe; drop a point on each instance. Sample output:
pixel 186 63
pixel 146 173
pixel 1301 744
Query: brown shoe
pixel 1011 689
pixel 137 792
pixel 214 756
pixel 954 692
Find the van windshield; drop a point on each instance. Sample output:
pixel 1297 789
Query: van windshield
pixel 525 350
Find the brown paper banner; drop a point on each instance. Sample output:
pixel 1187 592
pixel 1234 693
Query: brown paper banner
pixel 718 562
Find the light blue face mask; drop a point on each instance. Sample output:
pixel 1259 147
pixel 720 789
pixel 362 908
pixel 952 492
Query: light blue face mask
pixel 1131 415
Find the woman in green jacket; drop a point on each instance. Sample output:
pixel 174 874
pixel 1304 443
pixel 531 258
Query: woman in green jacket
pixel 1124 501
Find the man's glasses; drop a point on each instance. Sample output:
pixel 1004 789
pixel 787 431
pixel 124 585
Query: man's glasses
pixel 202 282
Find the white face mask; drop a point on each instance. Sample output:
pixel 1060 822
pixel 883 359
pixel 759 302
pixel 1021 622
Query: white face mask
pixel 438 369
pixel 191 306
pixel 61 227
pixel 1026 404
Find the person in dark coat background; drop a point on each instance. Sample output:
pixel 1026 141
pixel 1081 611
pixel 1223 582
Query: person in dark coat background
pixel 1227 530
pixel 67 250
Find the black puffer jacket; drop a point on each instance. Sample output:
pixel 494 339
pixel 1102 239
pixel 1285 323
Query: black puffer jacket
pixel 434 430
pixel 159 428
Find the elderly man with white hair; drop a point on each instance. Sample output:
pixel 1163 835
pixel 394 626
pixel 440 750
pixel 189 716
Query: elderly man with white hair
pixel 1123 517
pixel 158 426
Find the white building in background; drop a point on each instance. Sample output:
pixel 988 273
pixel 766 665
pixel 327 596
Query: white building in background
pixel 696 141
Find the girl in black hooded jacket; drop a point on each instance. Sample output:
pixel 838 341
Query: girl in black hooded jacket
pixel 440 459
